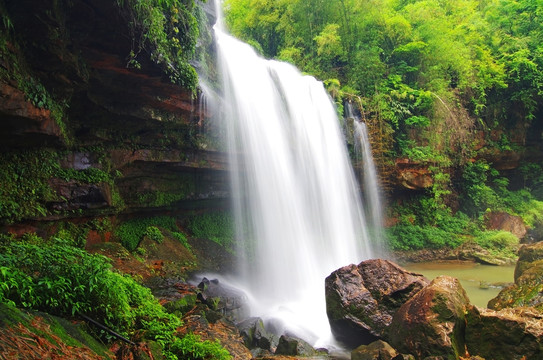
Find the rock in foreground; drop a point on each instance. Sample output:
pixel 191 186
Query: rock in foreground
pixel 509 334
pixel 432 323
pixel 362 299
pixel 528 287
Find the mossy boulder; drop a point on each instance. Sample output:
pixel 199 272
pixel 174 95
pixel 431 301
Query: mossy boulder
pixel 361 299
pixel 508 334
pixel 528 287
pixel 432 323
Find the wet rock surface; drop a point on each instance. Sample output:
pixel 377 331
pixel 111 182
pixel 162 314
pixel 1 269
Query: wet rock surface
pixel 432 322
pixel 230 302
pixel 362 299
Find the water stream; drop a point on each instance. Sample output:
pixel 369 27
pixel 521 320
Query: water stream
pixel 372 191
pixel 298 208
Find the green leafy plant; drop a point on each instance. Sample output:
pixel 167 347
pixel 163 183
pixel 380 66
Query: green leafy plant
pixel 63 280
pixel 167 31
pixel 154 233
pixel 191 347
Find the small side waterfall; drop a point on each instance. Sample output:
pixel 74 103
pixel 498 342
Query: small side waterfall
pixel 372 191
pixel 298 209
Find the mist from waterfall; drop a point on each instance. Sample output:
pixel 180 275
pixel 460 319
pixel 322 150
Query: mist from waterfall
pixel 368 175
pixel 298 209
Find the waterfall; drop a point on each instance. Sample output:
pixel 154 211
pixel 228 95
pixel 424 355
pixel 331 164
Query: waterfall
pixel 298 209
pixel 368 174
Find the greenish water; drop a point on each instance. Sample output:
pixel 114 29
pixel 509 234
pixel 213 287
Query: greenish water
pixel 481 282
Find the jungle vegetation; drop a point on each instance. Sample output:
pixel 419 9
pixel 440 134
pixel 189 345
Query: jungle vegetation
pixel 440 83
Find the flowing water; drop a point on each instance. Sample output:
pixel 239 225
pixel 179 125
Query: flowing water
pixel 368 174
pixel 299 212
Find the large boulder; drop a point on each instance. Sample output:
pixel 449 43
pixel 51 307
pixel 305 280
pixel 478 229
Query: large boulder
pixel 432 323
pixel 500 220
pixel 361 299
pixel 227 300
pixel 509 334
pixel 254 334
pixel 528 287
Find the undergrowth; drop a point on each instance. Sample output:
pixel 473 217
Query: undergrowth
pixel 63 280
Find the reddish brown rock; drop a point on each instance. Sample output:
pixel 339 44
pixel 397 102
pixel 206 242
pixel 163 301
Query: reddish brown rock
pixel 415 178
pixel 378 350
pixel 361 300
pixel 22 120
pixel 504 221
pixel 432 322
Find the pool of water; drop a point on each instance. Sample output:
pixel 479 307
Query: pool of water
pixel 481 282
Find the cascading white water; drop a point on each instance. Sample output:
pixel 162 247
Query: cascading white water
pixel 372 191
pixel 299 212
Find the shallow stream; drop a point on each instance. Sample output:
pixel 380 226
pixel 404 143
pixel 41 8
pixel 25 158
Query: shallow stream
pixel 481 282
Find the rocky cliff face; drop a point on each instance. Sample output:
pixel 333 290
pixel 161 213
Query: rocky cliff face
pixel 103 138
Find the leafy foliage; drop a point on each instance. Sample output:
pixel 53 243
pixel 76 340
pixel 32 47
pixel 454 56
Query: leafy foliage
pixel 60 279
pixel 191 347
pixel 25 177
pixel 167 30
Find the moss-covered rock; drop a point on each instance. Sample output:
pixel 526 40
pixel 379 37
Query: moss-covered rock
pixel 508 334
pixel 432 323
pixel 528 287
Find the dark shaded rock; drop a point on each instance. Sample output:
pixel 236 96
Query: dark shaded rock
pixel 377 350
pixel 229 301
pixel 533 235
pixel 528 287
pixel 509 334
pixel 79 196
pixel 503 221
pixel 292 346
pixel 432 323
pixel 361 300
pixel 254 334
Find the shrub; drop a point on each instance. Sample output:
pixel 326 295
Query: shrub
pixel 154 233
pixel 190 347
pixel 498 242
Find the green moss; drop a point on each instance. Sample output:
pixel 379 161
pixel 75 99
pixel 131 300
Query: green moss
pixel 131 232
pixel 216 226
